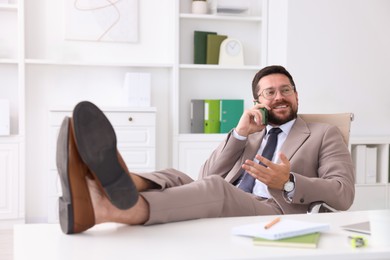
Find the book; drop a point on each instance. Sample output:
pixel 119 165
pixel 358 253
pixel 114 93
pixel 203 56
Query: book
pixel 371 164
pixel 359 160
pixel 230 113
pixel 285 228
pixel 304 241
pixel 200 46
pixel 5 120
pixel 197 116
pixel 213 47
pixel 211 116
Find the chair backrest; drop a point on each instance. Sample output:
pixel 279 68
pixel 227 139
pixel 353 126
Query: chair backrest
pixel 341 120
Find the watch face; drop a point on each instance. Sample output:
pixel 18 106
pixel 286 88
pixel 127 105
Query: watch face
pixel 289 186
pixel 233 48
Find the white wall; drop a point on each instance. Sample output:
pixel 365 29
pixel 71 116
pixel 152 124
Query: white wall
pixel 339 54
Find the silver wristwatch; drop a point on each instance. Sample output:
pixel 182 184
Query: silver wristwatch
pixel 289 186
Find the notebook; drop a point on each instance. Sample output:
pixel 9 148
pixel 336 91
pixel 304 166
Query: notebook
pixel 304 241
pixel 361 227
pixel 283 229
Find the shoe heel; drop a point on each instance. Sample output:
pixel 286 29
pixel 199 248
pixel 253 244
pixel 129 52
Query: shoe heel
pixel 66 216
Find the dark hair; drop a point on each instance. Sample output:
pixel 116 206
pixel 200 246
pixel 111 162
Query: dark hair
pixel 274 69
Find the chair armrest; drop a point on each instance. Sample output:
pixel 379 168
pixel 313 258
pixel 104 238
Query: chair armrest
pixel 319 207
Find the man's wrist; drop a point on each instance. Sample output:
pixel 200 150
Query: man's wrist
pixel 289 187
pixel 238 136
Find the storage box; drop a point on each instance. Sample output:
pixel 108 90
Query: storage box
pixel 4 117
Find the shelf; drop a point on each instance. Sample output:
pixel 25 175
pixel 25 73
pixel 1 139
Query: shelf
pixel 96 63
pixel 369 140
pixel 8 7
pixel 109 109
pixel 10 138
pixel 221 17
pixel 218 67
pixel 8 61
pixel 201 137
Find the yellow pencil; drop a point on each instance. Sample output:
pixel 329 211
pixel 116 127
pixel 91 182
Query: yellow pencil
pixel 273 222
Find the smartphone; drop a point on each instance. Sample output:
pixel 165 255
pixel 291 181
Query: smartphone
pixel 264 115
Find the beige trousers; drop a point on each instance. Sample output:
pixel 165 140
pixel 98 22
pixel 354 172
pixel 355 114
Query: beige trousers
pixel 181 198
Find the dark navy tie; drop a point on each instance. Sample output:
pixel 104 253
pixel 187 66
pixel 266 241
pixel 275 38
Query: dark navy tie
pixel 248 181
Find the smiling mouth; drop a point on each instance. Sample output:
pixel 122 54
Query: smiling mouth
pixel 280 107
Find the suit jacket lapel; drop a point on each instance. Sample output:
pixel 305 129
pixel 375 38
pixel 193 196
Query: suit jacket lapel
pixel 253 146
pixel 297 136
pixel 250 151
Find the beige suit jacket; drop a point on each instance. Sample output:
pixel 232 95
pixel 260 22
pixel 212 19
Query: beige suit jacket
pixel 320 161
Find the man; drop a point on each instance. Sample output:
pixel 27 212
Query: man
pixel 309 163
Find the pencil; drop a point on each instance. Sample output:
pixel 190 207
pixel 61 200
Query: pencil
pixel 273 222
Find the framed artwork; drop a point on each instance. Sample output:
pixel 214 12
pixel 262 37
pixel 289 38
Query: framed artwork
pixel 101 20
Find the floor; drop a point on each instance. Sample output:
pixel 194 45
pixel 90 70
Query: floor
pixel 6 244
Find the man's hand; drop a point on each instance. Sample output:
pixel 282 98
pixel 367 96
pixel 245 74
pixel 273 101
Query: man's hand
pixel 250 121
pixel 274 175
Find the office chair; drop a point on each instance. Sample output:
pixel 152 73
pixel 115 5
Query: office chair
pixel 343 122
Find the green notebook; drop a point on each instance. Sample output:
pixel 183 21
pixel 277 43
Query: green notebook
pixel 304 241
pixel 200 46
pixel 213 46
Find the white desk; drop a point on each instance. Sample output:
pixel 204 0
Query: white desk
pixel 197 239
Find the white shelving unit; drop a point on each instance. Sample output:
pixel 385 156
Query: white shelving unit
pixel 12 88
pixel 198 81
pixel 39 70
pixel 374 195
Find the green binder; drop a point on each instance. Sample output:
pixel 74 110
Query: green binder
pixel 211 116
pixel 231 111
pixel 213 46
pixel 200 46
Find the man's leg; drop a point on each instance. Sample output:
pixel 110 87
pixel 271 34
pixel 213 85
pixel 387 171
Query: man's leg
pixel 210 197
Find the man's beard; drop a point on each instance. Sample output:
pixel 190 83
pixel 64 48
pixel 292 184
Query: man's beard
pixel 275 120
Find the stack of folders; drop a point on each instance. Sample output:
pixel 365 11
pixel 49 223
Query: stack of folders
pixel 286 233
pixel 207 46
pixel 365 160
pixel 215 115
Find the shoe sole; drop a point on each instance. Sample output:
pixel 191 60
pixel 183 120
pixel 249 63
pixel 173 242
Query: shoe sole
pixel 97 145
pixel 75 206
pixel 65 202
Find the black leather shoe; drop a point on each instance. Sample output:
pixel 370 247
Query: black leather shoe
pixel 96 142
pixel 75 206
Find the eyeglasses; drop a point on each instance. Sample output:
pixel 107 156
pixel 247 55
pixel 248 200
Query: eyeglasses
pixel 270 93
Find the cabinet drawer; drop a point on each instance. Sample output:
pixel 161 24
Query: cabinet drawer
pixel 135 136
pixel 118 118
pixel 126 136
pixel 135 158
pixel 138 158
pixel 131 118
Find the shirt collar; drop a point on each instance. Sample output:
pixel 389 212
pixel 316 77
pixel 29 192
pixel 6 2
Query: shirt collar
pixel 285 127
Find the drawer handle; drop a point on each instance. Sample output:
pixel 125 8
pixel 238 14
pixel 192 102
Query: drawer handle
pixel 130 119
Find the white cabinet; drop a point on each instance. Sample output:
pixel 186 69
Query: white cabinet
pixel 205 81
pixel 372 192
pixel 11 182
pixel 194 151
pixel 135 129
